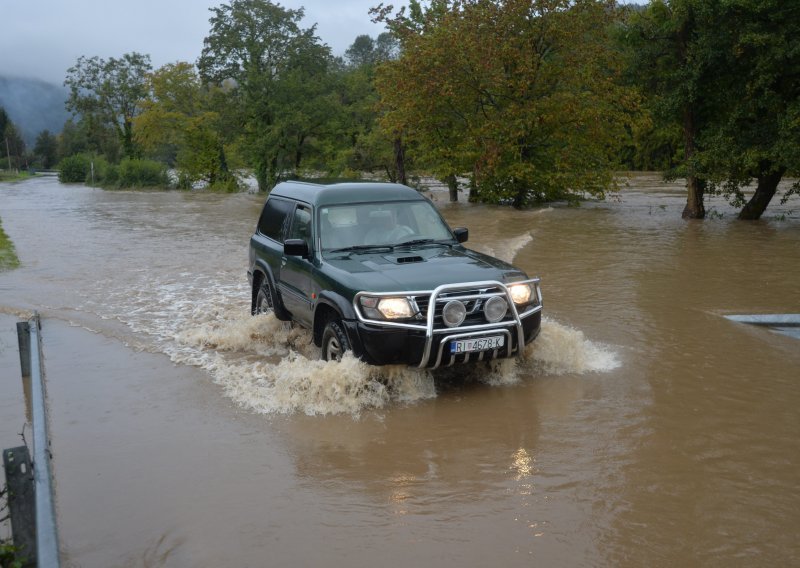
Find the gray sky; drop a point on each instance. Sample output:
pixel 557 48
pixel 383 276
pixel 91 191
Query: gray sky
pixel 42 38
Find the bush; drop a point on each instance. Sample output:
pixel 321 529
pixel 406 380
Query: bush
pixel 74 169
pixel 141 173
pixel 96 170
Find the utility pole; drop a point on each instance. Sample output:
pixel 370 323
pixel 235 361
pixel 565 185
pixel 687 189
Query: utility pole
pixel 8 154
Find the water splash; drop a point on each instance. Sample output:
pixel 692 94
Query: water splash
pixel 287 374
pixel 270 367
pixel 510 247
pixel 561 350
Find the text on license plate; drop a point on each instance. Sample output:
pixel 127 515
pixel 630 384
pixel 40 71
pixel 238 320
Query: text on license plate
pixel 479 344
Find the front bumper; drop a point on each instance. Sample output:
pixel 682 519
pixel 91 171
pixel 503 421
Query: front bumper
pixel 427 343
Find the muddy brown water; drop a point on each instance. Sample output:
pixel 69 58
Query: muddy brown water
pixel 642 429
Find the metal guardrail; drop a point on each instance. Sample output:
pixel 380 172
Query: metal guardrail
pixel 46 537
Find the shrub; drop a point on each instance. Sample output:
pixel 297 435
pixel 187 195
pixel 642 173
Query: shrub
pixel 142 173
pixel 74 169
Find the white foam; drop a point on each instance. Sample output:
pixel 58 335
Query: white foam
pixel 510 247
pixel 560 350
pixel 267 366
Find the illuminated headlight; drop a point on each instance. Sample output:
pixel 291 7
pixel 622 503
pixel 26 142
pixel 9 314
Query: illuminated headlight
pixel 454 313
pixel 495 309
pixel 386 308
pixel 520 293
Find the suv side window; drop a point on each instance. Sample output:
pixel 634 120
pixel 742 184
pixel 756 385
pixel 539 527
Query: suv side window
pixel 301 225
pixel 273 218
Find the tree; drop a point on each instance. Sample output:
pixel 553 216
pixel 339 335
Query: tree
pixel 46 149
pixel 12 145
pixel 361 144
pixel 280 74
pixel 184 120
pixel 109 93
pixel 755 131
pixel 729 75
pixel 522 94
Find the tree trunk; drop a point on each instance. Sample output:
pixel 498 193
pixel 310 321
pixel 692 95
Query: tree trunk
pixel 127 139
pixel 695 187
pixel 452 185
pixel 400 160
pixel 767 186
pixel 298 153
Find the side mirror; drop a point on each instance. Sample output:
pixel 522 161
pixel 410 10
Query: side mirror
pixel 461 233
pixel 295 247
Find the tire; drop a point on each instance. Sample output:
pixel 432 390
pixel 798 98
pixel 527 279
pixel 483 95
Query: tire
pixel 334 341
pixel 267 301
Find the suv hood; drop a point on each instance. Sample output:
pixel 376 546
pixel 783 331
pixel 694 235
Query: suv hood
pixel 419 269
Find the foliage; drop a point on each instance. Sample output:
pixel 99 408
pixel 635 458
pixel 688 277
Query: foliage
pixel 12 146
pixel 96 170
pixel 74 169
pixel 139 173
pixel 8 556
pixel 8 255
pixel 755 133
pixel 728 75
pixel 189 123
pixel 359 144
pixel 521 94
pixel 108 94
pixel 280 77
pixel 46 149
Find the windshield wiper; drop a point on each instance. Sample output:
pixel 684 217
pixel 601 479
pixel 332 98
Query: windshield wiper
pixel 425 242
pixel 361 248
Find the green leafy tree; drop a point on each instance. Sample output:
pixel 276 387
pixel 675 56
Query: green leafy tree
pixel 728 75
pixel 13 147
pixel 362 145
pixel 185 120
pixel 109 93
pixel 671 66
pixel 46 149
pixel 524 95
pixel 280 76
pixel 754 134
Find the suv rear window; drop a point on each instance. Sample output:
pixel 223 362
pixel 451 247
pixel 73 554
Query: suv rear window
pixel 273 218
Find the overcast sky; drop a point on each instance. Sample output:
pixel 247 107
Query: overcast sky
pixel 42 38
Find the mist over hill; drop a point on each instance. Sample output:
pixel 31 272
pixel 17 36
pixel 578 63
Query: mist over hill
pixel 33 106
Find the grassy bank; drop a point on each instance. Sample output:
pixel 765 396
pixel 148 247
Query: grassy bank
pixel 7 175
pixel 8 256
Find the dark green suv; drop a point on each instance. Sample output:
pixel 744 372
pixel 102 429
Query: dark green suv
pixel 373 268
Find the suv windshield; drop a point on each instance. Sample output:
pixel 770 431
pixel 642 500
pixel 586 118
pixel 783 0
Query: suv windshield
pixel 371 224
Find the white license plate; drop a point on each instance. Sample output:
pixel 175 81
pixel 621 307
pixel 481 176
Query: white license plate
pixel 479 344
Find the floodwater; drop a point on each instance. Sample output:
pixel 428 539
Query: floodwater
pixel 642 429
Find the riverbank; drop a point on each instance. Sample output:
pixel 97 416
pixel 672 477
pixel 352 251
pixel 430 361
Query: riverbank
pixel 8 254
pixel 7 175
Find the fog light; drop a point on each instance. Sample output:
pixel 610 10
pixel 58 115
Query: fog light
pixel 495 309
pixel 454 313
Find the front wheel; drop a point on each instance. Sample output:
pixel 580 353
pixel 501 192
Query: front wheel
pixel 267 301
pixel 334 341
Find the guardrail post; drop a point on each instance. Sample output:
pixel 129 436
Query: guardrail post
pixel 21 501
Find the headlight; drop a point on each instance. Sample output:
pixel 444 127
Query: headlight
pixel 520 293
pixel 386 308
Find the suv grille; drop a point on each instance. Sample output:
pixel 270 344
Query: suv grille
pixel 473 299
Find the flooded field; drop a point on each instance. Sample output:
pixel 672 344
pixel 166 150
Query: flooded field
pixel 643 428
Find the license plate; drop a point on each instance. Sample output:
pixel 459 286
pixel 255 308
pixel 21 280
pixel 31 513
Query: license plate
pixel 479 344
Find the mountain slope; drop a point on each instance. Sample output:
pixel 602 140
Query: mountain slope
pixel 33 106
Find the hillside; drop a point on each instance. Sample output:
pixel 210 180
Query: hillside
pixel 33 105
